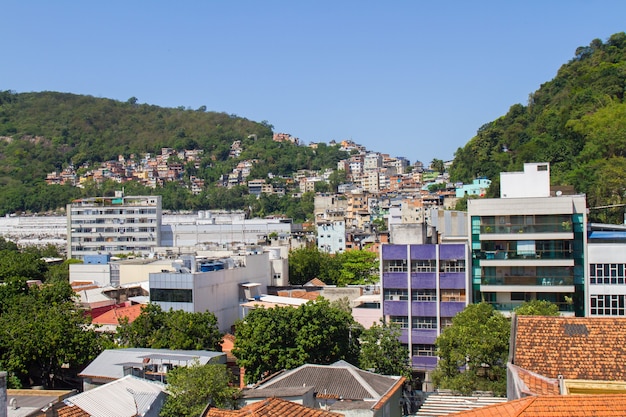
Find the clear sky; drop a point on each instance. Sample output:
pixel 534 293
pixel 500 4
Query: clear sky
pixel 409 78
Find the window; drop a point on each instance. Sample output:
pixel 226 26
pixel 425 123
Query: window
pixel 452 295
pixel 520 296
pixel 171 295
pixel 395 265
pixel 606 274
pixel 453 265
pixel 446 322
pixel 423 265
pixel 608 305
pixel 394 294
pixel 423 350
pixel 424 295
pixel 400 321
pixel 424 322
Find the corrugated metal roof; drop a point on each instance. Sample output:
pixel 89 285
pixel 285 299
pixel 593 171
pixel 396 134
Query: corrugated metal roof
pixel 110 363
pixel 128 396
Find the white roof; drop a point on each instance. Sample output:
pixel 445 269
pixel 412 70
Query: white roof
pixel 110 363
pixel 128 396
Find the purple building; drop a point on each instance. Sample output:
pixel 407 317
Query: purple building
pixel 423 287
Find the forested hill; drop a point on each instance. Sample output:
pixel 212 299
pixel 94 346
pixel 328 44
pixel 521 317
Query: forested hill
pixel 47 131
pixel 576 121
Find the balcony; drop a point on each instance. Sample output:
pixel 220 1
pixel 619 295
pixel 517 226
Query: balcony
pixel 563 307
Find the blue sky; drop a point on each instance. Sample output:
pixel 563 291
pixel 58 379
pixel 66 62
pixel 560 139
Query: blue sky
pixel 408 78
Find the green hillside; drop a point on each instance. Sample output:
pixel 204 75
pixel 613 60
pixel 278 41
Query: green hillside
pixel 48 131
pixel 577 122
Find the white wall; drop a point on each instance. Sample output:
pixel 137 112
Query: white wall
pixel 533 182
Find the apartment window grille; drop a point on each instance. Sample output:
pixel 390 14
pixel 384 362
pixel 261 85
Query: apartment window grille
pixel 424 323
pixel 423 265
pixel 424 295
pixel 394 294
pixel 608 305
pixel 446 322
pixel 452 295
pixel 395 265
pixel 452 265
pixel 423 350
pixel 607 274
pixel 400 321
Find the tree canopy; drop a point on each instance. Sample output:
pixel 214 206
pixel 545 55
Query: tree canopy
pixel 174 329
pixel 192 388
pixel 537 308
pixel 273 339
pixel 345 268
pixel 473 351
pixel 382 351
pixel 574 121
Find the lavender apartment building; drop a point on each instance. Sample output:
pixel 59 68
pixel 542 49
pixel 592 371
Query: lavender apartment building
pixel 423 286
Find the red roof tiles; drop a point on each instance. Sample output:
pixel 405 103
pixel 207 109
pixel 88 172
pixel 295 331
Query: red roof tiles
pixel 555 406
pixel 114 315
pixel 273 407
pixel 574 347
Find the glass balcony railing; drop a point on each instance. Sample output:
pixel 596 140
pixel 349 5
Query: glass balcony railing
pixel 526 280
pixel 563 307
pixel 562 227
pixel 514 254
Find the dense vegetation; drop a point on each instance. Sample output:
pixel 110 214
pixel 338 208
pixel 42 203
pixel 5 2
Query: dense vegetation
pixel 577 122
pixel 48 131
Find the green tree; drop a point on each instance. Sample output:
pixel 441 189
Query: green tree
pixel 44 338
pixel 382 351
pixel 269 340
pixel 357 267
pixel 438 165
pixel 174 329
pixel 305 264
pixel 537 308
pixel 191 388
pixel 473 351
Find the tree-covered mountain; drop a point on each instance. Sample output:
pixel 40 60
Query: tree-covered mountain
pixel 576 121
pixel 48 131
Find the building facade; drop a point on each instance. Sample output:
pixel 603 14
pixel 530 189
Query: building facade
pixel 606 280
pixel 113 225
pixel 529 247
pixel 423 287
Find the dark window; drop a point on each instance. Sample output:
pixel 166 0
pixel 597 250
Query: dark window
pixel 171 295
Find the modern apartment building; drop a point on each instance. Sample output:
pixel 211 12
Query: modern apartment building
pixel 606 295
pixel 423 287
pixel 113 225
pixel 529 244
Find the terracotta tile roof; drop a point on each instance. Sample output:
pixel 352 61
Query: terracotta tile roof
pixel 114 315
pixel 535 384
pixel 315 282
pixel 555 406
pixel 273 407
pixel 72 411
pixel 574 347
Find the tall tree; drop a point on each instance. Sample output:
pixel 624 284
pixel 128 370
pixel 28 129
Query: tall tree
pixel 193 387
pixel 44 338
pixel 174 329
pixel 537 308
pixel 473 351
pixel 269 340
pixel 382 351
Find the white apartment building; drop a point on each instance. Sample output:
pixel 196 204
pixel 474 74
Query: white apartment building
pixel 373 161
pixel 113 225
pixel 219 286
